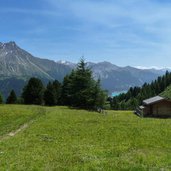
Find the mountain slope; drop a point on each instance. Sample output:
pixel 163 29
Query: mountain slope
pixel 16 62
pixel 17 66
pixel 115 78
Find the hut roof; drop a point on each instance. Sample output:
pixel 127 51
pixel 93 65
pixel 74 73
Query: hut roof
pixel 153 100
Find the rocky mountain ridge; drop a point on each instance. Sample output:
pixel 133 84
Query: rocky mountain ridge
pixel 18 65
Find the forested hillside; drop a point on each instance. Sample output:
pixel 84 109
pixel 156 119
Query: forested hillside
pixel 167 93
pixel 78 89
pixel 136 95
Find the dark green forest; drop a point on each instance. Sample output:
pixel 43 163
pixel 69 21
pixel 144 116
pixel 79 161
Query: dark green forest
pixel 78 90
pixel 135 95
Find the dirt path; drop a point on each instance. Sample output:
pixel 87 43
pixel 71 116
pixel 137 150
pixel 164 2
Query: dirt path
pixel 14 132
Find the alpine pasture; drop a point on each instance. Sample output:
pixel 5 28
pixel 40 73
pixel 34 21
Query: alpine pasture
pixel 59 138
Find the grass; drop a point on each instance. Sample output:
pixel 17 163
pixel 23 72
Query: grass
pixel 13 116
pixel 65 139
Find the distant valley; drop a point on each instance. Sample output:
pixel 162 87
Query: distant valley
pixel 17 66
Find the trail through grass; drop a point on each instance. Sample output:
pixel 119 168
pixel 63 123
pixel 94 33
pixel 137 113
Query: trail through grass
pixel 13 116
pixel 65 139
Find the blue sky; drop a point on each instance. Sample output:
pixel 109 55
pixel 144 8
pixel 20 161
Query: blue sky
pixel 124 32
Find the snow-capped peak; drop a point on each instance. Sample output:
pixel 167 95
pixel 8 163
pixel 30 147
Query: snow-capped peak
pixel 66 63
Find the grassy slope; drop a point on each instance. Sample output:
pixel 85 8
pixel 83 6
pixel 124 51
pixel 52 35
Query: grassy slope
pixel 13 116
pixel 167 93
pixel 65 139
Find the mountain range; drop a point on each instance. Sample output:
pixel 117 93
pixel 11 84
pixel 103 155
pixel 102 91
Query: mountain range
pixel 18 65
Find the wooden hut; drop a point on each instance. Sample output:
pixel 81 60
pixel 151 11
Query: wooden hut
pixel 155 107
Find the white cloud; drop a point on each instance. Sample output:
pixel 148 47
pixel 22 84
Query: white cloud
pixel 124 31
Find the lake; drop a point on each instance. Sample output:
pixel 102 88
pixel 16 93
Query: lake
pixel 116 93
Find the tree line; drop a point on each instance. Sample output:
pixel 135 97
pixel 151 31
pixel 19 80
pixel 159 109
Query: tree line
pixel 136 95
pixel 78 89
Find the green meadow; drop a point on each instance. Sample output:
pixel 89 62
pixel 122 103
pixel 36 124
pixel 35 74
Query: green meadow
pixel 59 138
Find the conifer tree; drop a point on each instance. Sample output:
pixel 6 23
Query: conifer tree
pixel 79 89
pixel 52 93
pixel 1 98
pixel 67 92
pixel 12 98
pixel 33 92
pixel 57 87
pixel 49 95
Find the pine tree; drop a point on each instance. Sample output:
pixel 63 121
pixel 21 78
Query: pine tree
pixel 12 98
pixel 79 89
pixel 67 92
pixel 49 95
pixel 115 103
pixel 57 87
pixel 52 93
pixel 99 96
pixel 1 98
pixel 33 92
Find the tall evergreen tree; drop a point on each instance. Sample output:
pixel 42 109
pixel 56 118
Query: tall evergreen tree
pixel 67 91
pixel 33 92
pixel 52 93
pixel 57 87
pixel 49 95
pixel 79 89
pixel 82 82
pixel 1 98
pixel 12 98
pixel 99 96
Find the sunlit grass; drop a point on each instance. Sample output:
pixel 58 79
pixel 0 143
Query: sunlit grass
pixel 65 139
pixel 12 116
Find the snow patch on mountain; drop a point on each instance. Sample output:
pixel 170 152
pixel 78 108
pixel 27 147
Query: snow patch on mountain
pixel 67 63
